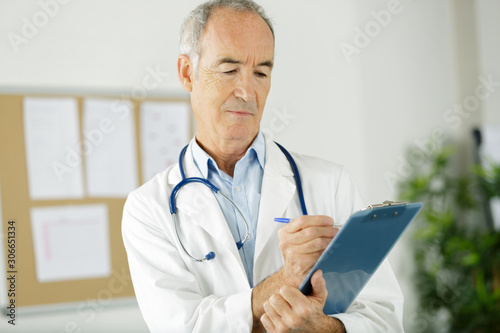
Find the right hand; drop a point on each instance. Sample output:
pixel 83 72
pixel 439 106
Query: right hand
pixel 302 241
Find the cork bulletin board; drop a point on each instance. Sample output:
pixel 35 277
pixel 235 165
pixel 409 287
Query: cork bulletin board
pixel 16 203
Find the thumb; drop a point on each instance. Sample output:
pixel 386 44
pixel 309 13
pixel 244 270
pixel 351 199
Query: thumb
pixel 319 287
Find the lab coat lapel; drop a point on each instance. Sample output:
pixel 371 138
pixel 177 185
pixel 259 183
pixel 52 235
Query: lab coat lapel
pixel 198 202
pixel 278 189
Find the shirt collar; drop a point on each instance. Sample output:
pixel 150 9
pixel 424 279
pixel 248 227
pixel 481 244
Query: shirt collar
pixel 204 161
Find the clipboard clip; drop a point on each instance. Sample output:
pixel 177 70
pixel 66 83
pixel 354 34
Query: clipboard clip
pixel 387 203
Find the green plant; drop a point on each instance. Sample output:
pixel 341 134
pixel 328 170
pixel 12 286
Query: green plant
pixel 457 254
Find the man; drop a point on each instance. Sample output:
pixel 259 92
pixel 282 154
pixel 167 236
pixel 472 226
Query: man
pixel 227 58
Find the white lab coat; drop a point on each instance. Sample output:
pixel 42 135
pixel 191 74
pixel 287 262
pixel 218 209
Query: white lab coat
pixel 176 294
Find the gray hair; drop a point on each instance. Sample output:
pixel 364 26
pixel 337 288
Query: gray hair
pixel 194 24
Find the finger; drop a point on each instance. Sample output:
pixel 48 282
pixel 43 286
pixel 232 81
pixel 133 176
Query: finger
pixel 319 287
pixel 309 233
pixel 313 246
pixel 304 221
pixel 291 316
pixel 294 297
pixel 306 235
pixel 272 313
pixel 267 323
pixel 279 305
pixel 311 250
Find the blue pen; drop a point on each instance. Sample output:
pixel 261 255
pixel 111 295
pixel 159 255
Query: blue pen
pixel 281 219
pixel 286 220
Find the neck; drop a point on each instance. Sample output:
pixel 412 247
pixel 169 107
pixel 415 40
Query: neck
pixel 225 155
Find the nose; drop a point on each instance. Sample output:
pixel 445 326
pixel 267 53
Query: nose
pixel 245 88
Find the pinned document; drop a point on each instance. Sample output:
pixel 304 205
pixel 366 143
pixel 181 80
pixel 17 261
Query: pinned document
pixel 71 242
pixel 164 131
pixel 51 135
pixel 109 147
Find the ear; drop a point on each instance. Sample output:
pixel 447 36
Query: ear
pixel 185 70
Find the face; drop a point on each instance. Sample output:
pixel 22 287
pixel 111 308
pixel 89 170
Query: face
pixel 229 92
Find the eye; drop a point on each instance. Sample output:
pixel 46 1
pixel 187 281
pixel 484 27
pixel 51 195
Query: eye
pixel 260 74
pixel 231 72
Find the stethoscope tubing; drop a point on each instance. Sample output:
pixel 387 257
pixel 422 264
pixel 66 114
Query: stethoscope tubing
pixel 215 190
pixel 296 173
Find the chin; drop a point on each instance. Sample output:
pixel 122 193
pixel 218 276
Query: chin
pixel 241 134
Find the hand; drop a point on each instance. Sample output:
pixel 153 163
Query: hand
pixel 302 241
pixel 290 310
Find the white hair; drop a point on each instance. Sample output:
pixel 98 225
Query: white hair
pixel 194 24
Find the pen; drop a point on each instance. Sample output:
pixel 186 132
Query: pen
pixel 286 220
pixel 281 219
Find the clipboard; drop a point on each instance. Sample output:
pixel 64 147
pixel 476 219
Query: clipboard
pixel 357 251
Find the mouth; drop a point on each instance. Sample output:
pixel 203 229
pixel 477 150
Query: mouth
pixel 240 113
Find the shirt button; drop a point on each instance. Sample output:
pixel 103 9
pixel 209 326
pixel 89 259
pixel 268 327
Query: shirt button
pixel 237 189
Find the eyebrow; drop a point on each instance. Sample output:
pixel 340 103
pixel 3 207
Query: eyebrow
pixel 229 60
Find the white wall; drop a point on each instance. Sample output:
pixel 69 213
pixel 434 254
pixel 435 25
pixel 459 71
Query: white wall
pixel 487 16
pixel 361 113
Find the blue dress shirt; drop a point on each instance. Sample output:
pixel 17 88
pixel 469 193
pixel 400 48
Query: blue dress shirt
pixel 243 189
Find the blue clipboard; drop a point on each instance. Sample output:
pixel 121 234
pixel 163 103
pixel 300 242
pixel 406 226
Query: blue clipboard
pixel 357 251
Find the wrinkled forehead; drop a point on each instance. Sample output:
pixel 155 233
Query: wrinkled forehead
pixel 237 33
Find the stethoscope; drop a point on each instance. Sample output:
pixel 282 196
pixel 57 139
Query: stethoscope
pixel 210 255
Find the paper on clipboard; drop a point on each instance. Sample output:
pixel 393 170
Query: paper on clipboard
pixel 357 251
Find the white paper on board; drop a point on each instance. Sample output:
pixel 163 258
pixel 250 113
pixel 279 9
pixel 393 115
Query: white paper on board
pixel 164 132
pixel 109 147
pixel 52 137
pixel 71 242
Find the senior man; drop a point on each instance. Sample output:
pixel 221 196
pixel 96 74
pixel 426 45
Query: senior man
pixel 227 54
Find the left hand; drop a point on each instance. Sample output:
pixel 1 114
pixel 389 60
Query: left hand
pixel 290 310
